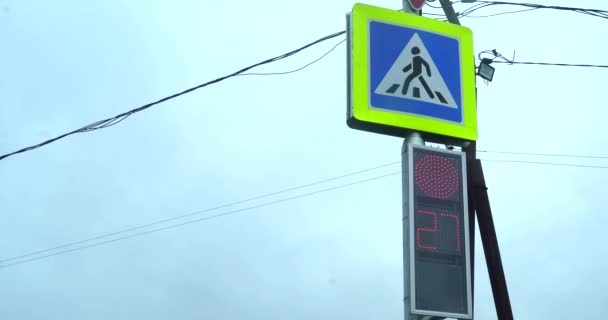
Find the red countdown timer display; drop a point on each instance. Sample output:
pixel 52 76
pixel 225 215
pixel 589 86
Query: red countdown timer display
pixel 438 218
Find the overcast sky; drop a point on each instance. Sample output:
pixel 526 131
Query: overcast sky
pixel 332 255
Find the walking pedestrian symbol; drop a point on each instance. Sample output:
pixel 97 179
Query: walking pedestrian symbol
pixel 415 72
pixel 414 75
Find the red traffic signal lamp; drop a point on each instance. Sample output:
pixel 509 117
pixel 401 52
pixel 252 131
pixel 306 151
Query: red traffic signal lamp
pixel 417 4
pixel 436 237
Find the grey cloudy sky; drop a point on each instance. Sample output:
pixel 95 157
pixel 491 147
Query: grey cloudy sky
pixel 333 255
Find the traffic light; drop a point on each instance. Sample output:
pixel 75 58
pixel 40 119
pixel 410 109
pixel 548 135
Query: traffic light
pixel 438 239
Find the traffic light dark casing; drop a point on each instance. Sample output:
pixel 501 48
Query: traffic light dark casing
pixel 438 237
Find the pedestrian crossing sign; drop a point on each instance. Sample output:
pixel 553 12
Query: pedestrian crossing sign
pixel 409 73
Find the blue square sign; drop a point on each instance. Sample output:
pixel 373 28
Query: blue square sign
pixel 414 71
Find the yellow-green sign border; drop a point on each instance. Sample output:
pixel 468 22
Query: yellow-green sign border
pixel 365 117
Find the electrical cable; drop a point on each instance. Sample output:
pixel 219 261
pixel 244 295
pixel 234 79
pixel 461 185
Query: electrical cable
pixel 428 3
pixel 543 154
pixel 107 235
pixel 472 9
pixel 497 55
pixel 480 5
pixel 199 212
pixel 121 117
pixel 294 70
pixel 547 163
pixel 196 220
pixel 555 64
pixel 501 13
pixel 434 14
pixel 484 4
pixel 102 124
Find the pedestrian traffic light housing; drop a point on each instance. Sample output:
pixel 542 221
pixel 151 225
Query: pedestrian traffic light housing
pixel 437 235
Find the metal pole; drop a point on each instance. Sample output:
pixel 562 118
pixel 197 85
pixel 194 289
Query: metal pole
pixel 470 149
pixel 405 218
pixel 449 11
pixel 490 242
pixel 414 138
pixel 480 202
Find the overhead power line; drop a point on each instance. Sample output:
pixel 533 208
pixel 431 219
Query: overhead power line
pixel 548 163
pixel 121 117
pixel 36 254
pixel 499 14
pixel 466 13
pixel 532 6
pixel 102 124
pixel 555 64
pixel 428 4
pixel 150 224
pixel 188 222
pixel 294 70
pixel 497 55
pixel 545 154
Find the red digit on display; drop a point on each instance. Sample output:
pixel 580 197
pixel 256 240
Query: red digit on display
pixel 419 230
pixel 457 219
pixel 438 225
